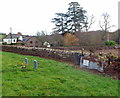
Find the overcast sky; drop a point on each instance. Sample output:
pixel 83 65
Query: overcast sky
pixel 30 16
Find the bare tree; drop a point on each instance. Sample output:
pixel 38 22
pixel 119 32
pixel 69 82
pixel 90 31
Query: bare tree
pixel 89 22
pixel 42 37
pixel 56 39
pixel 105 25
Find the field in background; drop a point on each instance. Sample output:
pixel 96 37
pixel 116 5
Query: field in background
pixel 52 78
pixel 1 36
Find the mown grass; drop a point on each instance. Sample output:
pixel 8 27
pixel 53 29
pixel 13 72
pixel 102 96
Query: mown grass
pixel 52 78
pixel 1 36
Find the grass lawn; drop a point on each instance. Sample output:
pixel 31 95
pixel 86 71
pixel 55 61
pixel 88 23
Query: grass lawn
pixel 52 78
pixel 1 36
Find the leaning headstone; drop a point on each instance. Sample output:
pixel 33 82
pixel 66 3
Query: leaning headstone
pixel 77 58
pixel 26 61
pixel 86 62
pixel 94 65
pixel 81 64
pixel 35 64
pixel 102 67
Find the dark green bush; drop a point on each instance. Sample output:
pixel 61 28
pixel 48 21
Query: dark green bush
pixel 110 43
pixel 5 43
pixel 22 44
pixel 13 43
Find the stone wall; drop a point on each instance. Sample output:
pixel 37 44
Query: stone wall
pixel 64 55
pixel 57 54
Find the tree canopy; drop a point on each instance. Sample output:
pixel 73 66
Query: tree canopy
pixel 72 21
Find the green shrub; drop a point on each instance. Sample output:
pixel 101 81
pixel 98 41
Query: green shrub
pixel 13 43
pixel 5 43
pixel 110 43
pixel 22 44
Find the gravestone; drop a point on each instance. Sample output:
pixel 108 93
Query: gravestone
pixel 35 64
pixel 86 62
pixel 77 58
pixel 26 61
pixel 101 69
pixel 81 64
pixel 94 65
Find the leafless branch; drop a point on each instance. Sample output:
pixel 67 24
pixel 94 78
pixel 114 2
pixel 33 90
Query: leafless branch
pixel 92 21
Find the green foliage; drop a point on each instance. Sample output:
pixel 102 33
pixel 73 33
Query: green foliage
pixel 52 78
pixel 76 20
pixel 13 44
pixel 110 43
pixel 2 36
pixel 22 44
pixel 71 21
pixel 60 22
pixel 5 43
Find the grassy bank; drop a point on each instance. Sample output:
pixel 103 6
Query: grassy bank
pixel 52 78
